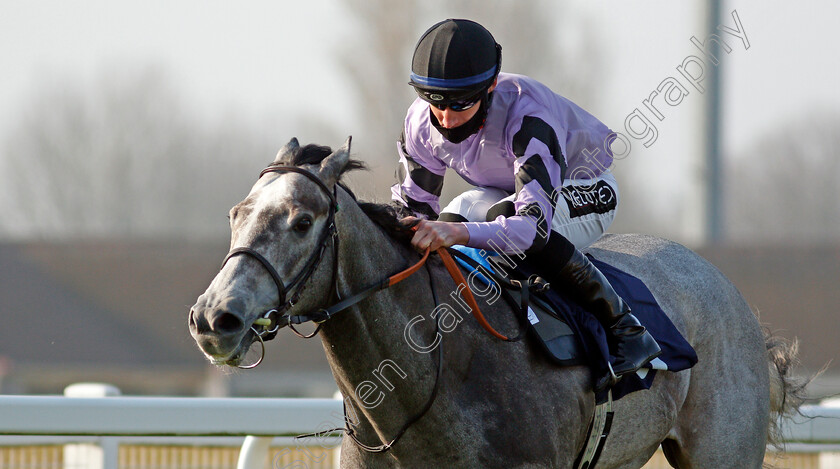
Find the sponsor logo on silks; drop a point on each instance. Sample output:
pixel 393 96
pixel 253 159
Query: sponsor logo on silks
pixel 436 97
pixel 583 200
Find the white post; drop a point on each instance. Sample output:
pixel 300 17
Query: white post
pixel 830 459
pixel 337 453
pixel 254 452
pixel 88 455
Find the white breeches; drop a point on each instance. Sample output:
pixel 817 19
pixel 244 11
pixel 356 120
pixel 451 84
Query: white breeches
pixel 584 211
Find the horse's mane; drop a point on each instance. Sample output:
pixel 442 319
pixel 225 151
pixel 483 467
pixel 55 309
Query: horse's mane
pixel 387 216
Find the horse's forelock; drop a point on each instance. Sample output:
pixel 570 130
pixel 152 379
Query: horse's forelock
pixel 386 216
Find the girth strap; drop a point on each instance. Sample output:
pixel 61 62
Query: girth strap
pixel 599 430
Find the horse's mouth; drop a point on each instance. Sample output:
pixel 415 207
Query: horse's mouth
pixel 237 355
pixel 232 360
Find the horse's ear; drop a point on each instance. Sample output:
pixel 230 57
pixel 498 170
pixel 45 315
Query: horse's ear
pixel 333 165
pixel 287 152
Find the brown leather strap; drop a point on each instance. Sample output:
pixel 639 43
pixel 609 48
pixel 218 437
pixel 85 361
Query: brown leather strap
pixel 454 271
pixel 456 274
pixel 400 276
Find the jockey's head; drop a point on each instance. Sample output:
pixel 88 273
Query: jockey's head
pixel 454 67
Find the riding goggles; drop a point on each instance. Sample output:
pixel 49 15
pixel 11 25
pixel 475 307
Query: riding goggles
pixel 455 103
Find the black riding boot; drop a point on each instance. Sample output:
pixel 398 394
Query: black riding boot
pixel 630 343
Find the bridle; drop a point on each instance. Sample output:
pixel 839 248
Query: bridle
pixel 267 326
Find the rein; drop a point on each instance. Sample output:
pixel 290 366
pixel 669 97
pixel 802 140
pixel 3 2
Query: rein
pixel 323 314
pixel 456 274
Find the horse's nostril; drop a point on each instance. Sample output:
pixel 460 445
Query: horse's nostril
pixel 227 323
pixel 198 323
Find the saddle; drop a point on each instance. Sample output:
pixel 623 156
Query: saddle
pixel 527 295
pixel 569 335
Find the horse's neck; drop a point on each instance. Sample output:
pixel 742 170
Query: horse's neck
pixel 365 344
pixel 367 255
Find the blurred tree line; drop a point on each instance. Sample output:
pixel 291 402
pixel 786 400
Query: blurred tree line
pixel 126 157
pixel 786 186
pixel 122 157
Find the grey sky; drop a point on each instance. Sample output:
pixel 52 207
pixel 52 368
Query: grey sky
pixel 262 58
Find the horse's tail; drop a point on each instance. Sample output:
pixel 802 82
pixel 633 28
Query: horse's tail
pixel 787 392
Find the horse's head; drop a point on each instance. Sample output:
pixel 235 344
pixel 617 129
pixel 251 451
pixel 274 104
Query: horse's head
pixel 280 238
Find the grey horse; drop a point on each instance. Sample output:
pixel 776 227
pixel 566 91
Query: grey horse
pixel 408 354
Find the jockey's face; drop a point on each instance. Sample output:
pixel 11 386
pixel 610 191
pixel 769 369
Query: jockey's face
pixel 450 119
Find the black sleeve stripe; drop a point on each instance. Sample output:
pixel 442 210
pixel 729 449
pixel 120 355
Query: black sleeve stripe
pixel 427 180
pixel 534 170
pixel 504 208
pixel 534 212
pixel 534 127
pixel 451 217
pixel 419 207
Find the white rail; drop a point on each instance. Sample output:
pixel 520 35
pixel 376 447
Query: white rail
pixel 816 425
pixel 164 416
pixel 259 419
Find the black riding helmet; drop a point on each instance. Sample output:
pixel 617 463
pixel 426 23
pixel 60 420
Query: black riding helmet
pixel 454 61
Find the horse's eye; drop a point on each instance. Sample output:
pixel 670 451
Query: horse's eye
pixel 303 225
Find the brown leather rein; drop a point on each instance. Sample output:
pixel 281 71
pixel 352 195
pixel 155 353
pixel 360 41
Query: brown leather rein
pixel 451 267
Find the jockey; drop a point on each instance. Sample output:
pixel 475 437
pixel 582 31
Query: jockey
pixel 538 163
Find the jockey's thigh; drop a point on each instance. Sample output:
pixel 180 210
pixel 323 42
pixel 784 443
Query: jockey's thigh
pixel 584 211
pixel 473 204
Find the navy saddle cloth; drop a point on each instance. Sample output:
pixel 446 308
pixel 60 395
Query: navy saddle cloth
pixel 590 341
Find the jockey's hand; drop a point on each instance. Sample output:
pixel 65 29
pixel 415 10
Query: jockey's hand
pixel 437 234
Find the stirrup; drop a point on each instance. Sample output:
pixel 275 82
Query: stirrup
pixel 636 353
pixel 607 381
